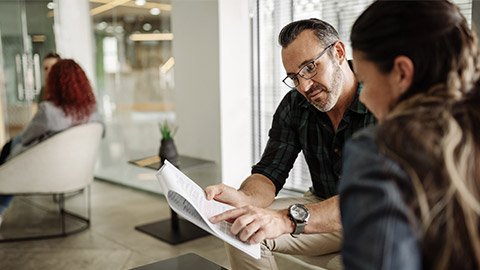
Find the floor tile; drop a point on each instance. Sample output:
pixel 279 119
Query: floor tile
pixel 111 242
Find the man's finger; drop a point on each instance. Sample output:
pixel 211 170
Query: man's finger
pixel 227 215
pixel 213 191
pixel 249 231
pixel 242 221
pixel 258 237
pixel 210 192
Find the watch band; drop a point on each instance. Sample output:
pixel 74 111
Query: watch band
pixel 299 227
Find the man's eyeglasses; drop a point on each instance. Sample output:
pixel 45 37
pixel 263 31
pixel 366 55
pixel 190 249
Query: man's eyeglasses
pixel 307 72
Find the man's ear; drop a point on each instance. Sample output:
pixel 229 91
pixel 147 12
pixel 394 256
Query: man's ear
pixel 339 52
pixel 402 74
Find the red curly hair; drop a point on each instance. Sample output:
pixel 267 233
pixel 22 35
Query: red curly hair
pixel 68 88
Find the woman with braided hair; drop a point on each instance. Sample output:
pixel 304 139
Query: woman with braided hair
pixel 410 192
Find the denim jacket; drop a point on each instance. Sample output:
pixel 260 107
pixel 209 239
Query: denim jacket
pixel 375 218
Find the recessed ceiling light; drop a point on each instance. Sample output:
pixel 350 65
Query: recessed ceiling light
pixel 155 11
pixel 147 27
pixel 140 2
pixel 109 29
pixel 101 26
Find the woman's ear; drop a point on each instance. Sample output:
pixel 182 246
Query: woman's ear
pixel 402 75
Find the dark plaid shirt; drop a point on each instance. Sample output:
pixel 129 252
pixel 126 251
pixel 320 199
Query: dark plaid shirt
pixel 297 125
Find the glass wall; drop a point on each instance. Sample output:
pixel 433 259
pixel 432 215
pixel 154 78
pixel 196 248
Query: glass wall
pixel 134 57
pixel 134 83
pixel 26 29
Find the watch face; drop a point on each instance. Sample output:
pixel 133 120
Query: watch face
pixel 299 212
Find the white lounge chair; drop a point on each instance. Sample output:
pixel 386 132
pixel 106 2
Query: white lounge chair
pixel 61 164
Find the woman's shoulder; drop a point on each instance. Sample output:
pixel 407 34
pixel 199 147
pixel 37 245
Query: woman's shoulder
pixel 52 116
pixel 363 157
pixel 48 106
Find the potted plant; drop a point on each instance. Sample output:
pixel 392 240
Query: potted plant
pixel 168 150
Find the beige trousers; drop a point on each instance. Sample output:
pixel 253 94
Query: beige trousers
pixel 304 244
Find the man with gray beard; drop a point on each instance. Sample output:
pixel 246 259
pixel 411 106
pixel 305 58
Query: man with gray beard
pixel 316 117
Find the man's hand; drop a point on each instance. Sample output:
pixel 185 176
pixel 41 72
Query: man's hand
pixel 256 190
pixel 225 194
pixel 252 224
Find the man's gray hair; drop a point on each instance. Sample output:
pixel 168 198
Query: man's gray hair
pixel 325 32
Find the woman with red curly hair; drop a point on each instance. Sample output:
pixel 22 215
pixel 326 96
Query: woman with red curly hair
pixel 69 102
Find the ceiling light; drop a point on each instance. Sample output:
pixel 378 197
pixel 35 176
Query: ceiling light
pixel 155 11
pixel 147 27
pixel 140 2
pixel 101 26
pixel 119 29
pixel 110 29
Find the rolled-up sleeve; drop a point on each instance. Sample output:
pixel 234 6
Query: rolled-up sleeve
pixel 377 223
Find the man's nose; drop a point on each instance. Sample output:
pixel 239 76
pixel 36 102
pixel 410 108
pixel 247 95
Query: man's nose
pixel 304 84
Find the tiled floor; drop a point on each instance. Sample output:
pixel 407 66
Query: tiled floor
pixel 110 243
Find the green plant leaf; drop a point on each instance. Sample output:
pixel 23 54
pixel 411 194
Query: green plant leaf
pixel 167 132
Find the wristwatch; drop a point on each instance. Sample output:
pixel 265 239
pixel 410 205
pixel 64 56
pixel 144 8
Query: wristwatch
pixel 299 214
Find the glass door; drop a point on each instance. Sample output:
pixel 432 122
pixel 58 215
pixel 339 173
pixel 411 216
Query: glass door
pixel 26 29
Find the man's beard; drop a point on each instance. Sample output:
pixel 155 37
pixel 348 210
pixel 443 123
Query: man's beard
pixel 332 94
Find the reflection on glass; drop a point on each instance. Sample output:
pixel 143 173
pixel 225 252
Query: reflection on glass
pixel 132 47
pixel 26 29
pixel 135 69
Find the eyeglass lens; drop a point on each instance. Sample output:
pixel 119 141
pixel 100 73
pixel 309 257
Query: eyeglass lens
pixel 307 72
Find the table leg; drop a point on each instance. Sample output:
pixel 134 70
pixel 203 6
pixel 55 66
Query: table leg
pixel 173 231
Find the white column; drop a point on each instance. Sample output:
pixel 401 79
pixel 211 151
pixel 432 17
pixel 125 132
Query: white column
pixel 74 34
pixel 235 90
pixel 211 47
pixel 197 84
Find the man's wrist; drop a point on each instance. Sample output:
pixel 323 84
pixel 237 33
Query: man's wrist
pixel 245 198
pixel 289 222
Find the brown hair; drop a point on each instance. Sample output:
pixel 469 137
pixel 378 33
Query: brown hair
pixel 433 34
pixel 434 129
pixel 325 32
pixel 52 55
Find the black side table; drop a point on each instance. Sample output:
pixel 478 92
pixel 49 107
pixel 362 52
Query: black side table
pixel 174 230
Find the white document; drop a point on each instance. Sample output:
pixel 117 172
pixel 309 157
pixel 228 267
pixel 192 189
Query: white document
pixel 188 199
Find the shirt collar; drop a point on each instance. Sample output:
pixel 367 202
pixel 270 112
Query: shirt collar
pixel 355 105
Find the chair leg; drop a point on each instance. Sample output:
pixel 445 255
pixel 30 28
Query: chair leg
pixel 61 206
pixel 72 194
pixel 85 221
